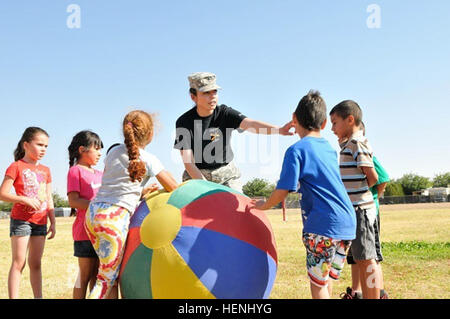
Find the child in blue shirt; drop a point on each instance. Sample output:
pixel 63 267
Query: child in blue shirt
pixel 311 168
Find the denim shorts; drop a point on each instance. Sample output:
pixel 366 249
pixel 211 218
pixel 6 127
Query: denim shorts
pixel 84 249
pixel 22 228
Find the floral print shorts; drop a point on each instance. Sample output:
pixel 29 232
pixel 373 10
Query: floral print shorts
pixel 325 257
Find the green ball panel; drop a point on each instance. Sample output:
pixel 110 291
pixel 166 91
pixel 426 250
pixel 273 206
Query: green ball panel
pixel 195 189
pixel 138 267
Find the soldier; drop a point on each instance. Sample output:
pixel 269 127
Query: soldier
pixel 203 134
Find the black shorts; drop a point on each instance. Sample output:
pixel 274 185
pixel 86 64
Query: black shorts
pixel 21 228
pixel 84 249
pixel 350 259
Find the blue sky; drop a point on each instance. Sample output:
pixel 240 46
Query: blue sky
pixel 266 54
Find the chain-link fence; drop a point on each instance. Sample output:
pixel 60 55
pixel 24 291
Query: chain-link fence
pixel 412 199
pixel 387 200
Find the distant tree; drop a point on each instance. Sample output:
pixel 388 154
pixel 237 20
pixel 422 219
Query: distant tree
pixel 441 180
pixel 5 207
pixel 413 182
pixel 59 201
pixel 394 188
pixel 258 187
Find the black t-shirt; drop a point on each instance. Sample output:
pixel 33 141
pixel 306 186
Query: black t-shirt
pixel 208 137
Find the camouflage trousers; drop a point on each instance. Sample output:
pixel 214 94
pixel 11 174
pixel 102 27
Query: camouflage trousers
pixel 228 175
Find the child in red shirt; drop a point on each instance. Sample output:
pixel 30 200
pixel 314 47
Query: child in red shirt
pixel 33 204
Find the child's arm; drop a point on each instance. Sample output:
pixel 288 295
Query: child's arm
pixel 167 181
pixel 75 201
pixel 275 198
pixel 371 175
pixel 380 189
pixel 6 196
pixel 51 212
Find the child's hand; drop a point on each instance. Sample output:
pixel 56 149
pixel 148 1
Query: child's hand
pixel 285 129
pixel 52 231
pixel 152 188
pixel 257 204
pixel 32 202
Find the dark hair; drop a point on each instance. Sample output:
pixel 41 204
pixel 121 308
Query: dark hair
pixel 111 147
pixel 27 136
pixel 137 130
pixel 311 111
pixel 83 138
pixel 193 91
pixel 347 108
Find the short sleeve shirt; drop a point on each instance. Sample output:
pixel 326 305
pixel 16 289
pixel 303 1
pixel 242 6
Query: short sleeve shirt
pixel 86 183
pixel 208 137
pixel 117 187
pixel 310 167
pixel 355 153
pixel 383 177
pixel 30 180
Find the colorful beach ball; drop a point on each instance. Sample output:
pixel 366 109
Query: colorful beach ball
pixel 199 241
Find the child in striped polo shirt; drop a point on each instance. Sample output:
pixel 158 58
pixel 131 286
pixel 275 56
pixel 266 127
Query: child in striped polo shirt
pixel 358 174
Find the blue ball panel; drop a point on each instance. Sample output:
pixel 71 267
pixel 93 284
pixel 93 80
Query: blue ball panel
pixel 138 217
pixel 228 267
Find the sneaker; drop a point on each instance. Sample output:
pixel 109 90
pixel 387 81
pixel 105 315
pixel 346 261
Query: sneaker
pixel 349 295
pixel 383 294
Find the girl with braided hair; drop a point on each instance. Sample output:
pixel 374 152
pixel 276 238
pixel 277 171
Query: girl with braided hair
pixel 128 167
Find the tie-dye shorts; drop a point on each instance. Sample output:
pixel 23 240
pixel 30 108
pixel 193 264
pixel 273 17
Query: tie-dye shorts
pixel 107 228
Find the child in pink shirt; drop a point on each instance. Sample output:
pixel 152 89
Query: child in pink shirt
pixel 83 182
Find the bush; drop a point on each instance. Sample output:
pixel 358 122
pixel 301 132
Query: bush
pixel 59 201
pixel 258 187
pixel 394 189
pixel 5 207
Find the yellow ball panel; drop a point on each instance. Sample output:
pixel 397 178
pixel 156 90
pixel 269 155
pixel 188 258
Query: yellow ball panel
pixel 172 278
pixel 162 224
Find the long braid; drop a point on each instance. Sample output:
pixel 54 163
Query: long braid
pixel 137 130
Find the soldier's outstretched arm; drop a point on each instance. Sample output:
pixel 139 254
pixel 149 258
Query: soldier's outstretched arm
pixel 260 127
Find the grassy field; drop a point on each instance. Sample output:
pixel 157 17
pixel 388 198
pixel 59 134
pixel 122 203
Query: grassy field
pixel 415 240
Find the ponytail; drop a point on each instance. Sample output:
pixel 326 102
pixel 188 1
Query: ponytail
pixel 138 131
pixel 19 152
pixel 27 136
pixel 73 153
